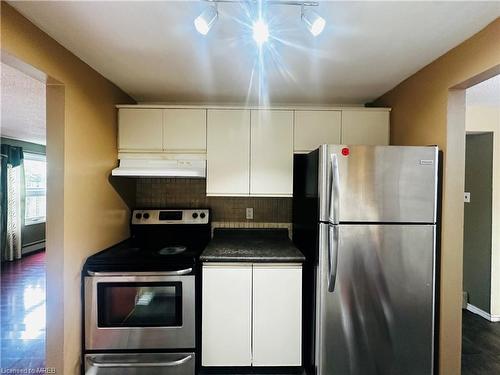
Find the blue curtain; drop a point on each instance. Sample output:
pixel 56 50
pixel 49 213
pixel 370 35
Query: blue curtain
pixel 11 155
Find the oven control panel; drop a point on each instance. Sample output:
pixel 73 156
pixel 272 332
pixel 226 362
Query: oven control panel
pixel 196 216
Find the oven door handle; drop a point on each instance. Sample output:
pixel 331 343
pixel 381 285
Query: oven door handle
pixel 144 273
pixel 178 362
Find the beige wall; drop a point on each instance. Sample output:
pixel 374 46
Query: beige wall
pixel 481 119
pixel 85 214
pixel 425 111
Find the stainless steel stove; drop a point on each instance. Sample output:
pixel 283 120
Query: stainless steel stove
pixel 141 296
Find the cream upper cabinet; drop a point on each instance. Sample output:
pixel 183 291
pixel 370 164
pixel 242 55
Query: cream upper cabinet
pixel 228 152
pixel 271 153
pixel 168 130
pixel 365 127
pixel 314 128
pixel 184 130
pixel 140 129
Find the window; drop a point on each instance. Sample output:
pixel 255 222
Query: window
pixel 139 304
pixel 35 177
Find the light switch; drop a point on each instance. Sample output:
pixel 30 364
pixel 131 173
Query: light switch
pixel 466 197
pixel 249 214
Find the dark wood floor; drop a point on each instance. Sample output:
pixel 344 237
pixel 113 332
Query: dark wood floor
pixel 480 345
pixel 22 313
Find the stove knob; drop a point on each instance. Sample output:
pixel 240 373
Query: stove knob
pixel 202 215
pixel 138 216
pixel 146 216
pixel 195 215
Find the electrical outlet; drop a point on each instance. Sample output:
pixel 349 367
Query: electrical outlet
pixel 249 214
pixel 466 197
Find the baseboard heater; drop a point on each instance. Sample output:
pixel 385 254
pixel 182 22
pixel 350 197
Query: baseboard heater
pixel 33 246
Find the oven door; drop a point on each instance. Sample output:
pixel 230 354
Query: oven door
pixel 140 363
pixel 140 310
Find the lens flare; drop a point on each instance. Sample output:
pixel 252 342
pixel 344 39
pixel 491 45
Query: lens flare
pixel 260 32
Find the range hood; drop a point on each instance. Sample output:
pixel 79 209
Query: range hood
pixel 158 167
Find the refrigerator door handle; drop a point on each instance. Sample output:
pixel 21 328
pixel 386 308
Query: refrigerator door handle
pixel 333 251
pixel 334 190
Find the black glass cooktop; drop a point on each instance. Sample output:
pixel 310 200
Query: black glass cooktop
pixel 153 248
pixel 128 256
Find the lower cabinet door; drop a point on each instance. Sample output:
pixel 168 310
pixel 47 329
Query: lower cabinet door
pixel 277 315
pixel 226 315
pixel 140 363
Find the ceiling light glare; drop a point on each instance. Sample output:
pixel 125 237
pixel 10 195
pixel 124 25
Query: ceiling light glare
pixel 205 20
pixel 314 22
pixel 260 32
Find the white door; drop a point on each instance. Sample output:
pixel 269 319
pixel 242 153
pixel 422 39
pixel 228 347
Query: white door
pixel 314 128
pixel 228 152
pixel 365 127
pixel 227 315
pixel 271 160
pixel 140 129
pixel 184 130
pixel 277 315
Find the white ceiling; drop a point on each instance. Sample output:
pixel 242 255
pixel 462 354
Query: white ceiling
pixel 23 106
pixel 486 93
pixel 152 51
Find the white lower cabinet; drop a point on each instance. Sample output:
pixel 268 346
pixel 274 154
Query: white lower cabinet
pixel 227 315
pixel 277 315
pixel 252 314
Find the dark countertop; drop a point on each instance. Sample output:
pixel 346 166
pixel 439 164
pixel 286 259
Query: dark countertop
pixel 253 246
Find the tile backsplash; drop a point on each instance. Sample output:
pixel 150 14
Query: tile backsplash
pixel 190 193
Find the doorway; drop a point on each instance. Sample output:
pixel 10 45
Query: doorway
pixel 481 269
pixel 23 209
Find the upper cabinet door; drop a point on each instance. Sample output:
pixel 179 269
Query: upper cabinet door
pixel 228 152
pixel 365 127
pixel 140 129
pixel 271 164
pixel 184 130
pixel 314 128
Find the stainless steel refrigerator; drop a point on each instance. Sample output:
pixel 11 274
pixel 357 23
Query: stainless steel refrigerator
pixel 365 216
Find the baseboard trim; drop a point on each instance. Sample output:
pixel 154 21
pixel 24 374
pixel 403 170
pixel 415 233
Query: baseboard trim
pixel 476 310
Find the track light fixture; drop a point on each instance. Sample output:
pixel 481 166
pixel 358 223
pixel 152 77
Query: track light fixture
pixel 314 22
pixel 260 30
pixel 206 19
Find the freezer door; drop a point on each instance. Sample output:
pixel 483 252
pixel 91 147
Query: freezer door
pixel 379 319
pixel 389 184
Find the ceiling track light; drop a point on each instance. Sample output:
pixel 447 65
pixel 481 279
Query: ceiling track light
pixel 204 22
pixel 314 22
